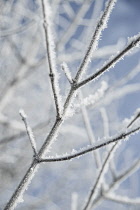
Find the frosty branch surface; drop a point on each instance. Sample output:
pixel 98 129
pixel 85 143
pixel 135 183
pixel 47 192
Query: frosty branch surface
pixel 29 131
pixel 134 43
pixel 97 146
pixel 102 23
pixel 51 56
pixel 67 72
pixel 122 199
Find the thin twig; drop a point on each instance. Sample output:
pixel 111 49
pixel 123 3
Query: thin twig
pixel 134 43
pixel 51 56
pixel 122 199
pixel 97 146
pixel 95 38
pixel 134 119
pixel 67 72
pixel 29 131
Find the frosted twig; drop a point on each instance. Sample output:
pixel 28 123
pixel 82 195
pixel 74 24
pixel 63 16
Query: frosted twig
pixel 66 70
pixel 93 98
pixel 122 199
pixel 98 145
pixel 29 131
pixel 103 52
pixel 137 115
pixel 51 56
pixel 134 43
pixel 101 25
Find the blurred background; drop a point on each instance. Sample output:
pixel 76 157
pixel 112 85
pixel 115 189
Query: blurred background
pixel 24 83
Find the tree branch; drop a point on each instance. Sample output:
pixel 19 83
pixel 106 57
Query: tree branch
pixel 29 132
pixel 97 146
pixel 122 199
pixel 134 43
pixel 51 56
pixel 101 25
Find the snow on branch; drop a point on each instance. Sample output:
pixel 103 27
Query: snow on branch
pixel 98 145
pixel 135 42
pixel 51 56
pixel 122 199
pixel 134 118
pixel 29 131
pixel 66 70
pixel 101 25
pixel 93 98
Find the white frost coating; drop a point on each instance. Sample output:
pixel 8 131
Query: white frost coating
pixel 66 70
pixel 71 109
pixel 101 25
pixel 92 99
pixel 130 39
pixel 122 199
pixel 74 151
pixel 24 186
pixel 29 131
pixel 22 113
pixel 133 120
pixel 51 55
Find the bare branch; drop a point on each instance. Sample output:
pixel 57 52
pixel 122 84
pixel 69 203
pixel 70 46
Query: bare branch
pixel 56 127
pixel 29 131
pixel 134 43
pixel 122 199
pixel 66 70
pixel 97 146
pixel 51 56
pixel 134 118
pixel 101 25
